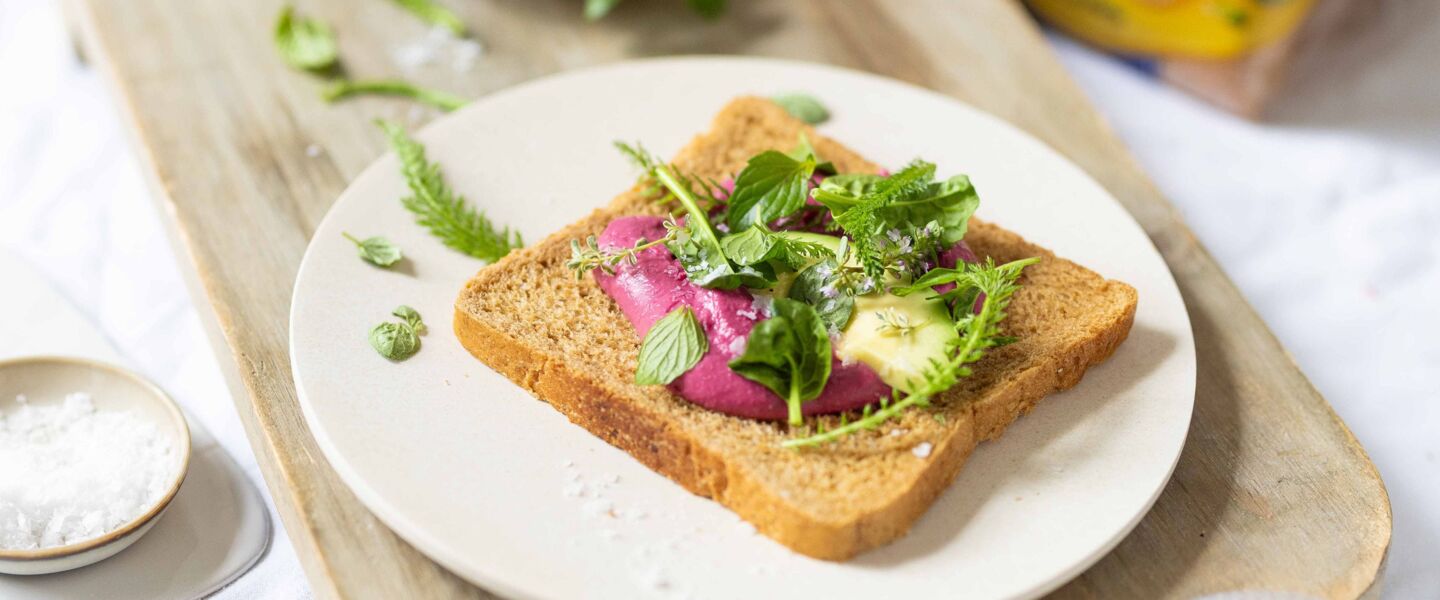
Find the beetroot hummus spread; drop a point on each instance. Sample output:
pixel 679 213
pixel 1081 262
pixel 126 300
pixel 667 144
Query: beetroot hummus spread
pixel 656 284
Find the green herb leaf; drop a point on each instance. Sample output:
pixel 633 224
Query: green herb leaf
pixel 672 346
pixel 804 107
pixel 303 42
pixel 411 316
pixel 709 9
pixel 697 247
pixel 437 208
pixel 860 215
pixel 377 250
pixel 803 149
pixel 434 14
pixel 979 331
pixel 597 9
pixel 815 285
pixel 398 341
pixel 949 203
pixel 789 354
pixel 346 88
pixel 771 186
pixel 758 245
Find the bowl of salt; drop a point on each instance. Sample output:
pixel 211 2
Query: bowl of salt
pixel 90 457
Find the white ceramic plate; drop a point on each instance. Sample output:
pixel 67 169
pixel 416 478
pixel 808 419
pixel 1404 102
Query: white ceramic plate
pixel 483 478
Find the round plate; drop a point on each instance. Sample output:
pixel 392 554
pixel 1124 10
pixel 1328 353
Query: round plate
pixel 506 492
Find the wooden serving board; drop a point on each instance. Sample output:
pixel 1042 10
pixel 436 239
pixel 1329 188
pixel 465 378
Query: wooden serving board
pixel 1271 493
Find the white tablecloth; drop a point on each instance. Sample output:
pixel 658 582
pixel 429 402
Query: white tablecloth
pixel 1326 217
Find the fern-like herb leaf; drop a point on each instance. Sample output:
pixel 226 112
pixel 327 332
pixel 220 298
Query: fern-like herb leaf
pixel 439 209
pixel 346 88
pixel 979 331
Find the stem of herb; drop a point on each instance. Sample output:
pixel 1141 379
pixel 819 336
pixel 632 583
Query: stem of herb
pixel 351 238
pixel 699 220
pixel 388 87
pixel 796 418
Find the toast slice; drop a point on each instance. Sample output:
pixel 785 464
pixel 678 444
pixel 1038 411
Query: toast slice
pixel 830 502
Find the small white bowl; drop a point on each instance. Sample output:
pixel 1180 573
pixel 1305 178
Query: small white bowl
pixel 47 380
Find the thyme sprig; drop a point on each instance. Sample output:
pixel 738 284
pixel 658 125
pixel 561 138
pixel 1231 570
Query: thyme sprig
pixel 587 257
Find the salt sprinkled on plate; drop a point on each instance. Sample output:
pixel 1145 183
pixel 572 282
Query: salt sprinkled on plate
pixel 70 472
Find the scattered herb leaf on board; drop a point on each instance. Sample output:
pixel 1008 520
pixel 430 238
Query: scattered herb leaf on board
pixel 376 250
pixel 672 346
pixel 434 14
pixel 710 9
pixel 804 107
pixel 303 42
pixel 439 209
pixel 346 88
pixel 398 341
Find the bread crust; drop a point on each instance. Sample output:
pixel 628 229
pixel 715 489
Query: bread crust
pixel 712 455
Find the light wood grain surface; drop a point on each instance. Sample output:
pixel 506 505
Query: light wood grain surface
pixel 1271 493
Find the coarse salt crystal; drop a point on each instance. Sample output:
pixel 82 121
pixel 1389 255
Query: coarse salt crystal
pixel 598 507
pixel 922 449
pixel 70 472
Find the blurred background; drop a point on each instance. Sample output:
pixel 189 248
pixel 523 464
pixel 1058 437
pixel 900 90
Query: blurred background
pixel 1299 139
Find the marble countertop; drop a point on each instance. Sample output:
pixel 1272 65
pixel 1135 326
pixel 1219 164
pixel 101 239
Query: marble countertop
pixel 1325 216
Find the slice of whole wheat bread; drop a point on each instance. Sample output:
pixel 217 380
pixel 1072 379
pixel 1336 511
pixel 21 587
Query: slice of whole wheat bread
pixel 566 342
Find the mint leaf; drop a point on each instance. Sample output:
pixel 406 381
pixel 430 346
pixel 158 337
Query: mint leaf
pixel 303 42
pixel 376 250
pixel 434 14
pixel 437 208
pixel 672 346
pixel 817 286
pixel 398 341
pixel 771 186
pixel 789 354
pixel 803 106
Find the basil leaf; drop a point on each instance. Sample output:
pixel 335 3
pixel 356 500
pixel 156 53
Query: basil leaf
pixel 804 107
pixel 398 341
pixel 789 354
pixel 672 346
pixel 303 42
pixel 412 318
pixel 395 341
pixel 771 186
pixel 816 287
pixel 376 250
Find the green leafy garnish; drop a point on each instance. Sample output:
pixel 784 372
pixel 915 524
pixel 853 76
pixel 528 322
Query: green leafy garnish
pixel 597 9
pixel 377 250
pixel 437 208
pixel 673 346
pixel 771 186
pixel 708 192
pixel 948 203
pixel 789 354
pixel 303 42
pixel 758 245
pixel 804 107
pixel 815 285
pixel 698 247
pixel 588 257
pixel 398 341
pixel 346 88
pixel 979 331
pixel 434 14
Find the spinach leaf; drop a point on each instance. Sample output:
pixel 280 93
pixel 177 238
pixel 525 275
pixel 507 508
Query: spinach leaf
pixel 816 286
pixel 789 354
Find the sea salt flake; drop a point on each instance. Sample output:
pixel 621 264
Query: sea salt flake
pixel 922 449
pixel 70 472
